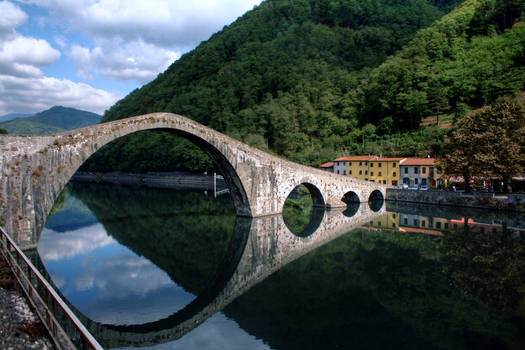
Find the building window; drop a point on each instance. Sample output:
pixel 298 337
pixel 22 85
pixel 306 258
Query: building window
pixel 371 173
pixel 424 170
pixel 394 165
pixel 379 165
pixel 366 172
pixel 438 224
pixel 394 174
pixel 380 174
pixel 344 172
pixel 350 164
pixel 360 163
pixel 371 165
pixel 406 170
pixel 446 225
pixel 415 170
pixel 384 182
pixel 423 223
pixel 360 172
pixel 350 172
pixel 366 163
pixel 416 181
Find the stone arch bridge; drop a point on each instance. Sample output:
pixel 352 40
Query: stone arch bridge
pixel 35 169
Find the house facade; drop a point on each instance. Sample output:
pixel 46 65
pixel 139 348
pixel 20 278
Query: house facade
pixel 419 172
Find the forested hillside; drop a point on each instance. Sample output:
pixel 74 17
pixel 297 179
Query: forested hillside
pixel 312 79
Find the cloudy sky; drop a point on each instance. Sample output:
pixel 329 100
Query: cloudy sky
pixel 88 54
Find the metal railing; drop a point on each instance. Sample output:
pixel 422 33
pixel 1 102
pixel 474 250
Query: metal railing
pixel 47 303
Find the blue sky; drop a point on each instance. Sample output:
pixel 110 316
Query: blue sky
pixel 88 54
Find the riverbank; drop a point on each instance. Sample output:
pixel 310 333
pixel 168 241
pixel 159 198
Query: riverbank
pixel 481 200
pixel 173 180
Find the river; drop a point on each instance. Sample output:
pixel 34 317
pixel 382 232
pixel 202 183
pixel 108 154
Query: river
pixel 163 269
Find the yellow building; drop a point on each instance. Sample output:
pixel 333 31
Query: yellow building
pixel 387 221
pixel 384 170
pixel 370 168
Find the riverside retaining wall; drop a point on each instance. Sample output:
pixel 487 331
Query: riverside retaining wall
pixel 485 200
pixel 174 180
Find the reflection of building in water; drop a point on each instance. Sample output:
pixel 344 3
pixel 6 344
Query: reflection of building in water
pixel 388 221
pixel 436 225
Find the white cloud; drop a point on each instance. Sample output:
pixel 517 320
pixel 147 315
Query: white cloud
pixel 34 94
pixel 137 60
pixel 21 56
pixel 23 87
pixel 10 17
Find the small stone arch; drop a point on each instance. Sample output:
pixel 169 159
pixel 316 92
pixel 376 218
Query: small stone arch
pixel 376 200
pixel 350 197
pixel 376 195
pixel 317 197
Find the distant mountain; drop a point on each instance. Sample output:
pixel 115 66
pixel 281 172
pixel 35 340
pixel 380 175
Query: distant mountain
pixel 51 121
pixel 11 116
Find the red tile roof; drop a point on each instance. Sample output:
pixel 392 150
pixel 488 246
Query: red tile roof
pixel 419 161
pixel 389 159
pixel 355 158
pixel 327 165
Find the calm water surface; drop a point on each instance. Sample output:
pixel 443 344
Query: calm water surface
pixel 415 277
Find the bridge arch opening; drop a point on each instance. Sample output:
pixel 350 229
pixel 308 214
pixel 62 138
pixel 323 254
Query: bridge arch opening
pixel 187 153
pixel 376 200
pixel 303 209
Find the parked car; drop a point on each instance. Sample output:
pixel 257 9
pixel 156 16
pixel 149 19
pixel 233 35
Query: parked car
pixel 414 187
pixel 424 187
pixel 403 186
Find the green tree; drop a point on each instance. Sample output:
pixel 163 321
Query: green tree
pixel 489 141
pixel 3 131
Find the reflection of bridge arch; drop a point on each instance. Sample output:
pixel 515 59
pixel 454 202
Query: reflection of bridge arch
pixel 259 247
pixel 35 169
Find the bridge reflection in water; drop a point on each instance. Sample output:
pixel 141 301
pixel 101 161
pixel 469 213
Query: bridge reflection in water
pixel 258 247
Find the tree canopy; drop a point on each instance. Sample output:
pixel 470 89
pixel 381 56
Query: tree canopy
pixel 489 141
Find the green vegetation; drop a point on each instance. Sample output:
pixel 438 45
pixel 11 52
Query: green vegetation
pixel 3 131
pixel 314 79
pixel 489 141
pixel 287 76
pixel 51 121
pixel 489 267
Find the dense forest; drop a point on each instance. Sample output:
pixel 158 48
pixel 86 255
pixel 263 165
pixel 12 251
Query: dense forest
pixel 314 79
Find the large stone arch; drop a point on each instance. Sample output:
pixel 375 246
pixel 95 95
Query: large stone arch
pixel 35 169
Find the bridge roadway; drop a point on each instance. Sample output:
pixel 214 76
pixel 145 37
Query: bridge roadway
pixel 35 169
pixel 258 248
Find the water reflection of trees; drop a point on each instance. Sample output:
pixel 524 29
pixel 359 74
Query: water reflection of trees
pixel 369 290
pixel 487 266
pixel 299 213
pixel 185 234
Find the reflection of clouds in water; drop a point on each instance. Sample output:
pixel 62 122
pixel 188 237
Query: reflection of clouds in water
pixel 55 246
pixel 58 280
pixel 127 289
pixel 106 281
pixel 121 276
pixel 218 332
